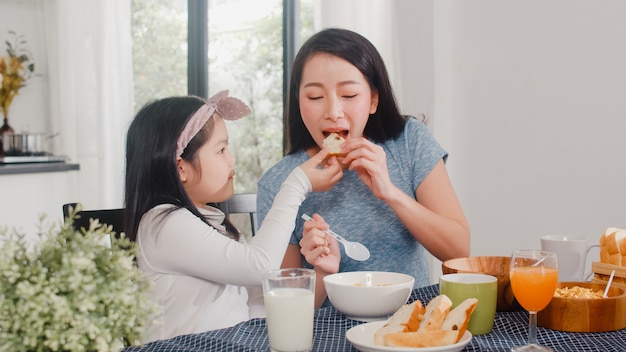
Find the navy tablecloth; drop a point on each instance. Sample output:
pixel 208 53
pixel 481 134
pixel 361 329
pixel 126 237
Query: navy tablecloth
pixel 510 329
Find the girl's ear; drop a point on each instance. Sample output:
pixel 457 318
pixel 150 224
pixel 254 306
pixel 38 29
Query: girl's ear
pixel 181 167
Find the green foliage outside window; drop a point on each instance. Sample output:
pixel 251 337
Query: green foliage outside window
pixel 246 59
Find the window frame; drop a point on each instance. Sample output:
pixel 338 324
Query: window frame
pixel 198 48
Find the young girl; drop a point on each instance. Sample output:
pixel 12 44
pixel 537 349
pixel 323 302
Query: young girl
pixel 177 161
pixel 394 196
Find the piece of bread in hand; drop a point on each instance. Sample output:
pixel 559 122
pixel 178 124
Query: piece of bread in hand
pixel 334 142
pixel 406 318
pixel 459 317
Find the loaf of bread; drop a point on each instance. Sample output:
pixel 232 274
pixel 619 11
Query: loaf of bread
pixel 334 142
pixel 613 246
pixel 436 325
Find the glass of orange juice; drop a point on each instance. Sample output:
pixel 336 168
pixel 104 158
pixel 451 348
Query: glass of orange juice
pixel 534 275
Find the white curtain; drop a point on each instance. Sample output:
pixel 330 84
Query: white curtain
pixel 374 19
pixel 89 49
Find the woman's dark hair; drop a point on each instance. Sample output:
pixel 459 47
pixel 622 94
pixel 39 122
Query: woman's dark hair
pixel 386 123
pixel 151 171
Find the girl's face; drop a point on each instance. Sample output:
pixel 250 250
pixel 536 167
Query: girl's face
pixel 212 180
pixel 334 97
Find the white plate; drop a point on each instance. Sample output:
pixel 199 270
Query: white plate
pixel 362 338
pixel 369 319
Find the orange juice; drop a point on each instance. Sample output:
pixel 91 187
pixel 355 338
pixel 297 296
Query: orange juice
pixel 534 286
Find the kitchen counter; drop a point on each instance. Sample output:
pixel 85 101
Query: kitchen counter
pixel 29 168
pixel 35 189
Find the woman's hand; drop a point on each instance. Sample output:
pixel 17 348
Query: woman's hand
pixel 370 163
pixel 318 248
pixel 323 173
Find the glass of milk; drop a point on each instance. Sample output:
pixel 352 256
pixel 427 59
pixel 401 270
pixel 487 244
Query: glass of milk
pixel 289 304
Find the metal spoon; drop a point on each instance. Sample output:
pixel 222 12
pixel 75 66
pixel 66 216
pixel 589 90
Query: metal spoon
pixel 354 250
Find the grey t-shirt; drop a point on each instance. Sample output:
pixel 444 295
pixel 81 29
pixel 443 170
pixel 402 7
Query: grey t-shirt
pixel 355 213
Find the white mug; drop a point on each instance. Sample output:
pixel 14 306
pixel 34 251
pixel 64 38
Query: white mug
pixel 571 254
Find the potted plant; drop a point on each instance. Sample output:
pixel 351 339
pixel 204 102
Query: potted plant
pixel 16 68
pixel 70 290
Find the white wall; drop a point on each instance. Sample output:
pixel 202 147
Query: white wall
pixel 529 101
pixel 528 98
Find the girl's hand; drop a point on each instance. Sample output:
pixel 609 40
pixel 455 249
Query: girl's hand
pixel 370 162
pixel 318 248
pixel 322 173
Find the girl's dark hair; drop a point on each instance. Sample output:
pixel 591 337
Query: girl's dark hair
pixel 151 172
pixel 386 123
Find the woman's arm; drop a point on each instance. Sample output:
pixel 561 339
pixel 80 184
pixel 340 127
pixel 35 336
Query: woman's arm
pixel 436 219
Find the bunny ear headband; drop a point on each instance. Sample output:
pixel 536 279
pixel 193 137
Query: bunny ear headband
pixel 229 108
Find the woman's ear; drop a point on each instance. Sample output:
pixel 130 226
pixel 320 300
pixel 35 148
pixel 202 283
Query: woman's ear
pixel 374 104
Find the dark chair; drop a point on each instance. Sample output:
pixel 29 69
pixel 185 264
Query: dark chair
pixel 113 217
pixel 242 203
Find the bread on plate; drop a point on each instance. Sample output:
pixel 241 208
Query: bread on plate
pixel 436 325
pixel 406 318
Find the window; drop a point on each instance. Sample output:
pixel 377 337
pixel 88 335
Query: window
pixel 245 55
pixel 159 35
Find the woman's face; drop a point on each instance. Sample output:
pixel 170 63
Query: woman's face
pixel 212 181
pixel 334 97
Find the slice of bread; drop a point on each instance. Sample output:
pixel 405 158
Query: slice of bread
pixel 334 142
pixel 436 311
pixel 421 338
pixel 435 325
pixel 406 318
pixel 459 317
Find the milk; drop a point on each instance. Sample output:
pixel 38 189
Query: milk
pixel 290 319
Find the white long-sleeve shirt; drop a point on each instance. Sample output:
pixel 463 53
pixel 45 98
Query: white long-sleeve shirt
pixel 199 276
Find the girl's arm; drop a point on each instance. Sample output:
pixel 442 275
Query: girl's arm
pixel 183 244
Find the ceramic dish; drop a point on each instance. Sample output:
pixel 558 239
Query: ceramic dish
pixel 362 338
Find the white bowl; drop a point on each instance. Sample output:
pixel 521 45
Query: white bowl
pixel 368 295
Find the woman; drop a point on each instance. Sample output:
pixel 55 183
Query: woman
pixel 395 195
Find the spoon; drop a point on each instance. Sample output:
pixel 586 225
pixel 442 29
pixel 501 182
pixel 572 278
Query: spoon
pixel 539 261
pixel 606 290
pixel 354 250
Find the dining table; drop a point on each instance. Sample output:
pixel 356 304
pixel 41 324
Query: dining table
pixel 330 326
